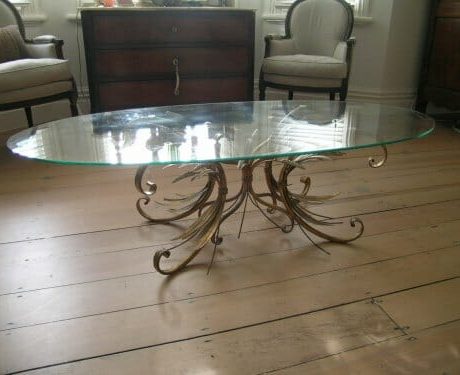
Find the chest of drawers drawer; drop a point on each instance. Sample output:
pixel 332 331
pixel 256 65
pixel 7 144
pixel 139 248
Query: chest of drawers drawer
pixel 115 64
pixel 165 56
pixel 164 27
pixel 132 94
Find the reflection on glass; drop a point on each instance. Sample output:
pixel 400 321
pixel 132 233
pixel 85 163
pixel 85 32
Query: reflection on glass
pixel 218 132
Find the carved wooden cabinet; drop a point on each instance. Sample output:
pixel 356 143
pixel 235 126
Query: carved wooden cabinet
pixel 166 56
pixel 440 77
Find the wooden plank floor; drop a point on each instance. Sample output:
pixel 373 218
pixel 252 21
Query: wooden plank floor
pixel 78 294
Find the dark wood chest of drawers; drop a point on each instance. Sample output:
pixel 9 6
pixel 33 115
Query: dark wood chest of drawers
pixel 440 77
pixel 167 56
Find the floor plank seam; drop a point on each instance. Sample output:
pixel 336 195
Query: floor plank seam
pixel 162 245
pixel 319 358
pixel 377 302
pixel 253 287
pixel 411 171
pixel 146 224
pixel 446 323
pixel 377 297
pixel 370 300
pixel 387 194
pixel 293 316
pixel 232 260
pixel 401 337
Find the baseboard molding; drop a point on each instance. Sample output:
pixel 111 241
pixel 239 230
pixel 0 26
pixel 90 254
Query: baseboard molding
pixel 405 99
pixel 84 105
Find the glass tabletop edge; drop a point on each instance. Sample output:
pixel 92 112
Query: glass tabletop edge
pixel 227 160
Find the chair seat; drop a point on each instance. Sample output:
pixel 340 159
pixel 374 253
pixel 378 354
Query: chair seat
pixel 27 74
pixel 31 93
pixel 305 66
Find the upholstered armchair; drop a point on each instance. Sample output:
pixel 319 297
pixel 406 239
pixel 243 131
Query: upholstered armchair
pixel 316 52
pixel 32 72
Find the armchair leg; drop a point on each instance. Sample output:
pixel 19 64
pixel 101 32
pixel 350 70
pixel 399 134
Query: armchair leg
pixel 291 95
pixel 73 108
pixel 30 120
pixel 73 100
pixel 421 105
pixel 261 91
pixel 343 92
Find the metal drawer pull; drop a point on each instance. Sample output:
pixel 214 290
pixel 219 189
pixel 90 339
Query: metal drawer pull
pixel 174 29
pixel 176 64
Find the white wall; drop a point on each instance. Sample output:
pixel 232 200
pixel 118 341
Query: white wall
pixel 385 66
pixel 370 50
pixel 405 46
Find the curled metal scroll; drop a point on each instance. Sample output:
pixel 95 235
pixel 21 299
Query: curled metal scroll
pixel 297 206
pixel 205 228
pixel 191 203
pixel 380 163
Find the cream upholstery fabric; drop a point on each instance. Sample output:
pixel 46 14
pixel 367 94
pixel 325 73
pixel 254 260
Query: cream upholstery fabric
pixel 41 51
pixel 340 52
pixel 305 66
pixel 30 93
pixel 12 46
pixel 20 74
pixel 282 47
pixel 318 26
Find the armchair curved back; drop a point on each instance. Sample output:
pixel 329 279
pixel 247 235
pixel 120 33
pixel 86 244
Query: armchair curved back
pixel 318 26
pixel 9 15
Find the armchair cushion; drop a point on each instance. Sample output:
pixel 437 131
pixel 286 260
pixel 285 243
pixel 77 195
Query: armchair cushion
pixel 41 50
pixel 281 47
pixel 44 39
pixel 35 92
pixel 340 52
pixel 27 73
pixel 305 66
pixel 12 46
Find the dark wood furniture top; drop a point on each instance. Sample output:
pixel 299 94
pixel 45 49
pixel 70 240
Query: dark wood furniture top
pixel 167 56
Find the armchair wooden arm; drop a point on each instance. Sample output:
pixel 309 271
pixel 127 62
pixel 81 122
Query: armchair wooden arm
pixel 351 42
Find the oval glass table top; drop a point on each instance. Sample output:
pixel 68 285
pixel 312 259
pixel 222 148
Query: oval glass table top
pixel 220 132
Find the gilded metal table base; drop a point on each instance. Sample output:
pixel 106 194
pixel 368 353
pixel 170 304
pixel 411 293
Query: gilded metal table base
pixel 213 206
